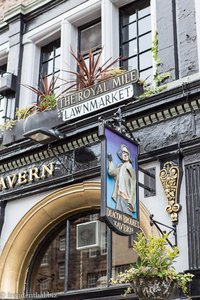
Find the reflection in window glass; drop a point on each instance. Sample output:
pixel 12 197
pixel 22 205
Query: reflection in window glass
pixel 145 42
pixel 123 254
pixel 46 267
pixel 84 270
pixel 129 32
pixel 62 243
pixel 130 49
pixel 60 266
pixel 61 271
pixel 135 36
pixel 144 25
pixel 145 60
pixel 90 37
pixel 50 60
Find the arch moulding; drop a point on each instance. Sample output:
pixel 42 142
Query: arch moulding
pixel 35 224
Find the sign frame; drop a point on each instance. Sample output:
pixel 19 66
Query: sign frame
pixel 120 222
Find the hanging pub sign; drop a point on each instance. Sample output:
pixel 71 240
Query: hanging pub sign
pixel 119 184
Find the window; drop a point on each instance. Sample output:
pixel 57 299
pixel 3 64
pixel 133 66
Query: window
pixel 92 253
pixel 150 181
pixel 61 271
pixel 103 239
pixel 45 260
pixel 62 242
pixel 44 283
pixel 5 103
pixel 74 269
pixel 136 38
pixel 50 61
pixel 90 38
pixel 92 280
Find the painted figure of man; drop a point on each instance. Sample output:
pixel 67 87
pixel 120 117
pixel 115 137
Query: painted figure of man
pixel 124 193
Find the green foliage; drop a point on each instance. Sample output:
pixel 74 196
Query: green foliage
pixel 8 125
pixel 155 259
pixel 49 102
pixel 22 113
pixel 159 78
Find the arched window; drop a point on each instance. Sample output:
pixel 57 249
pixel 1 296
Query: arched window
pixel 79 253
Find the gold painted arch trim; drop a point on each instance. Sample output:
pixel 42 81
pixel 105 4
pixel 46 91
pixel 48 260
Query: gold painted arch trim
pixel 35 224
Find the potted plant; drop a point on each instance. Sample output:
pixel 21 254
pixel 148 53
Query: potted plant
pixel 28 118
pixel 153 275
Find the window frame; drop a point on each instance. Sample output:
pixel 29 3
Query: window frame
pixel 53 59
pixel 81 294
pixel 83 27
pixel 137 6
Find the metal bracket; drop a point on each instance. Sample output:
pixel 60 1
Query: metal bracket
pixel 172 230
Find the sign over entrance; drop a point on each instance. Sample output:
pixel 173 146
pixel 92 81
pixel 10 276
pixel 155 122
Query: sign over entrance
pixel 119 198
pixel 99 96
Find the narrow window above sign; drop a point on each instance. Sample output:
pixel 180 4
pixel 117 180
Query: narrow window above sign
pixel 150 181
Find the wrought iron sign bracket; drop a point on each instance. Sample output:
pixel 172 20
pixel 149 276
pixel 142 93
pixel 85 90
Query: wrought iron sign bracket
pixel 172 230
pixel 118 123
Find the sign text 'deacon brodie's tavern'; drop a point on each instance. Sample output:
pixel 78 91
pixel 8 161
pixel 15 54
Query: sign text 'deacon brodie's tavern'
pixel 98 96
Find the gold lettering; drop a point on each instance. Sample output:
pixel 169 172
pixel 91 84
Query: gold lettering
pixel 22 178
pixel 47 171
pixel 11 180
pixel 33 173
pixel 2 184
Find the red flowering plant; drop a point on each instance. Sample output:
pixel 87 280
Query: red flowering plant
pixel 90 70
pixel 155 260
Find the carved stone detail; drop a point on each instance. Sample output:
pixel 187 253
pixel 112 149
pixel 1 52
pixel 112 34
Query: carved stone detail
pixel 169 177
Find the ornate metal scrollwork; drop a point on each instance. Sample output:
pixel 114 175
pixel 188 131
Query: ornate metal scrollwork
pixel 169 177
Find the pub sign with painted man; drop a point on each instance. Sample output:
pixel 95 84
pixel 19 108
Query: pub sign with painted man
pixel 119 198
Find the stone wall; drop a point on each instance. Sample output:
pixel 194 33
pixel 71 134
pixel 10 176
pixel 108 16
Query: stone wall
pixel 5 5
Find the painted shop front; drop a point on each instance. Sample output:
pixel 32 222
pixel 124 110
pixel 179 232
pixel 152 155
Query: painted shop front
pixel 82 176
pixel 59 245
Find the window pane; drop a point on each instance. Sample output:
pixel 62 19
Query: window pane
pixel 88 266
pixel 129 32
pixel 147 75
pixel 47 273
pixel 57 51
pixel 129 49
pixel 143 12
pixel 145 60
pixel 57 64
pixel 129 15
pixel 47 54
pixel 144 25
pixel 49 67
pixel 90 37
pixel 145 42
pixel 131 63
pixel 123 254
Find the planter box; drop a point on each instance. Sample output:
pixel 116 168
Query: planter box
pixel 47 119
